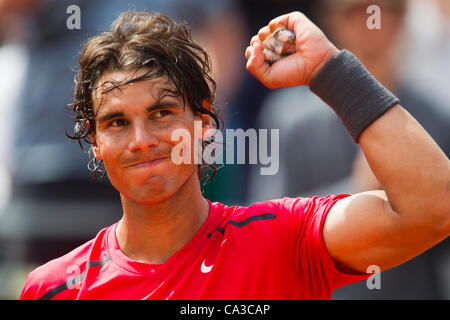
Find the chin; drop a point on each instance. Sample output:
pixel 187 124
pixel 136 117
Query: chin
pixel 156 189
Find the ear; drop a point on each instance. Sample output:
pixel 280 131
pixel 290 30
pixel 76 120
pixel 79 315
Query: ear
pixel 96 150
pixel 206 120
pixel 95 147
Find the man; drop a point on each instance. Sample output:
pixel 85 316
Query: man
pixel 146 79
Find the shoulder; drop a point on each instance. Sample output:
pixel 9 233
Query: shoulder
pixel 293 204
pixel 276 214
pixel 240 213
pixel 56 272
pixel 283 206
pixel 296 212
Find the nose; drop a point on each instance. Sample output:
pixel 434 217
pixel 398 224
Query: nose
pixel 142 138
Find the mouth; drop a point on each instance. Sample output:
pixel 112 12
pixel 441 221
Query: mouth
pixel 148 163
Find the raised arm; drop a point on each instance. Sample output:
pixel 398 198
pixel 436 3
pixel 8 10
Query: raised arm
pixel 384 228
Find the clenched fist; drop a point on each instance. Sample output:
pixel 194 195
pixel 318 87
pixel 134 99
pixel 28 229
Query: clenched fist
pixel 312 51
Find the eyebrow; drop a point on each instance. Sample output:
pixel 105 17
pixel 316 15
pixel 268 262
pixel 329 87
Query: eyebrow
pixel 156 106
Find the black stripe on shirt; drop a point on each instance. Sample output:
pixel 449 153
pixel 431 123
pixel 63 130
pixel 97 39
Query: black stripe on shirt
pixel 66 285
pixel 242 223
pixel 263 216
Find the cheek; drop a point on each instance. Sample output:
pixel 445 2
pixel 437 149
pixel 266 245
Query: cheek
pixel 186 146
pixel 108 147
pixel 109 150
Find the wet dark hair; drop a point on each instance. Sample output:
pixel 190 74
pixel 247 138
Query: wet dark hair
pixel 143 40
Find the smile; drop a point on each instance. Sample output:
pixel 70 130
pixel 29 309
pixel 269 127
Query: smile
pixel 150 163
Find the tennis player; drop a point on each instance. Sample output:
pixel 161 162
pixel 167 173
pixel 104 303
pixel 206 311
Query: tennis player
pixel 147 78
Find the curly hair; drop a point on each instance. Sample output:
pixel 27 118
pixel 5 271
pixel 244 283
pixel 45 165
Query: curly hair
pixel 143 40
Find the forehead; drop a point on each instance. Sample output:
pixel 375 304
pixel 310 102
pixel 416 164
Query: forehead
pixel 117 87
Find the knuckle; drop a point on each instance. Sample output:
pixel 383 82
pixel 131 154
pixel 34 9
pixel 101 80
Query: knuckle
pixel 262 33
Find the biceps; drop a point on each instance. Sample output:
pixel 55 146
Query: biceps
pixel 363 230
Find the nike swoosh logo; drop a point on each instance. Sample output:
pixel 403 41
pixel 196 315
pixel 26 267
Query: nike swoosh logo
pixel 204 268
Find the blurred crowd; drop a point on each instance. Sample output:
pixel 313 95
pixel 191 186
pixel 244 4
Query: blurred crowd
pixel 49 204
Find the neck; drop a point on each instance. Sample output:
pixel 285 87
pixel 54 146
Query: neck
pixel 152 233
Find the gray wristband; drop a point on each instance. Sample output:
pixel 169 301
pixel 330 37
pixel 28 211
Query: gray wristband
pixel 352 92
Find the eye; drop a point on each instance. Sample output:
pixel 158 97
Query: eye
pixel 161 114
pixel 118 123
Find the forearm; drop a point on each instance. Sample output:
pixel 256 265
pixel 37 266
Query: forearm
pixel 413 170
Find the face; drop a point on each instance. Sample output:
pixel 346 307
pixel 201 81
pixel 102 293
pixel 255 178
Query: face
pixel 134 127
